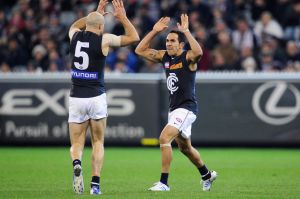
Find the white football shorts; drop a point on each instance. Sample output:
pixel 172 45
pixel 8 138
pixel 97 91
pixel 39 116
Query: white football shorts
pixel 182 119
pixel 83 109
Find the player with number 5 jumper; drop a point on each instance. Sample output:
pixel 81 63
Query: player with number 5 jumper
pixel 89 47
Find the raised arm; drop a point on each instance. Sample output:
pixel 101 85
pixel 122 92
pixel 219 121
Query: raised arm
pixel 144 50
pixel 196 52
pixel 131 36
pixel 80 24
pixel 77 26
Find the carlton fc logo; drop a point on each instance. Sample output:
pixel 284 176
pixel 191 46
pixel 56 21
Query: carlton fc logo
pixel 171 80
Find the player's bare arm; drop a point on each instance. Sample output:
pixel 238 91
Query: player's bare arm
pixel 196 52
pixel 131 36
pixel 144 50
pixel 110 40
pixel 80 24
pixel 77 26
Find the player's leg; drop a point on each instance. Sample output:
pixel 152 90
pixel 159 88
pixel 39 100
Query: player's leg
pixel 188 150
pixel 185 146
pixel 98 115
pixel 77 138
pixel 166 137
pixel 78 124
pixel 97 134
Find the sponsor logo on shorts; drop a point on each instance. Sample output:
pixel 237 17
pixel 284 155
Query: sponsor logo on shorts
pixel 178 120
pixel 84 75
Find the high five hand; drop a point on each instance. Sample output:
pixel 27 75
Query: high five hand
pixel 162 24
pixel 120 12
pixel 101 7
pixel 184 26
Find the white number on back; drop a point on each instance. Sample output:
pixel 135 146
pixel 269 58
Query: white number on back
pixel 79 53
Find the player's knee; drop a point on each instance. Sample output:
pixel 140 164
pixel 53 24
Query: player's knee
pixel 163 139
pixel 98 144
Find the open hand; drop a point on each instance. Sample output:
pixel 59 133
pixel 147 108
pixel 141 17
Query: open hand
pixel 162 24
pixel 101 7
pixel 120 12
pixel 184 26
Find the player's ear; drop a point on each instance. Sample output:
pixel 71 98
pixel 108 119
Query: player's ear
pixel 181 44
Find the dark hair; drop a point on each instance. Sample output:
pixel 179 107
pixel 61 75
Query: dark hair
pixel 181 37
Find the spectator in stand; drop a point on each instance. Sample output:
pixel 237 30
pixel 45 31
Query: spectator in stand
pixel 292 56
pixel 151 67
pixel 291 21
pixel 167 7
pixel 17 20
pixel 205 12
pixel 233 9
pixel 3 23
pixel 35 22
pixel 212 39
pixel 181 7
pixel 56 60
pixel 121 67
pixel 15 57
pixel 227 50
pixel 247 62
pixel 243 36
pixel 43 36
pixel 51 45
pixel 275 44
pixel 56 29
pixel 267 61
pixel 268 26
pixel 124 55
pixel 146 21
pixel 249 65
pixel 4 68
pixel 40 59
pixel 218 61
pixel 201 36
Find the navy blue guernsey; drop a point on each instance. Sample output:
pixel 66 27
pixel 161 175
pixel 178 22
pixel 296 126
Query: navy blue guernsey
pixel 88 64
pixel 180 82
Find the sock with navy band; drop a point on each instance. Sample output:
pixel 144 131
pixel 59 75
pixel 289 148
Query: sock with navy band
pixel 95 181
pixel 205 173
pixel 76 161
pixel 164 178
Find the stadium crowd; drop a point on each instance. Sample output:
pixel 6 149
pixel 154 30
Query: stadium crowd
pixel 239 35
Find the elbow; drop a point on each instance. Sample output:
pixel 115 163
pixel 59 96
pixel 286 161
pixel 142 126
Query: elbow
pixel 136 39
pixel 137 51
pixel 198 53
pixel 132 40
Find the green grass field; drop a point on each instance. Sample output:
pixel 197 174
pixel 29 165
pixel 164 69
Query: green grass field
pixel 128 172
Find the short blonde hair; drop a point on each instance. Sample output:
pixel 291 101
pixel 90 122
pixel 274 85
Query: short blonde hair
pixel 94 19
